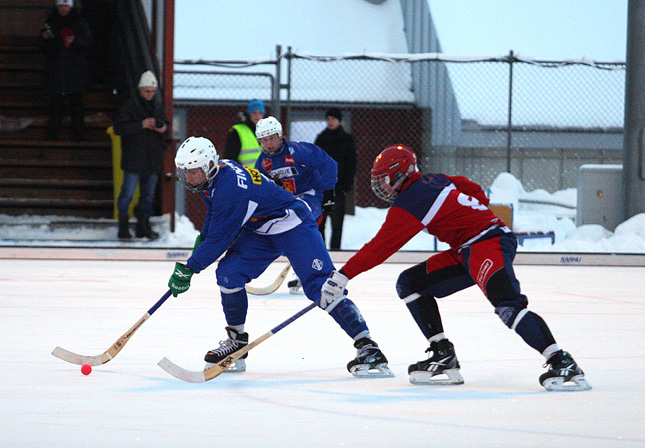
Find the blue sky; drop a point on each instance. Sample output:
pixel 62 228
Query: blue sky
pixel 544 29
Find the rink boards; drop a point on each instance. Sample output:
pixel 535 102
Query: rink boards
pixel 161 254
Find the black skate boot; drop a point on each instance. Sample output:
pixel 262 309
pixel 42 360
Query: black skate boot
pixel 234 342
pixel 442 362
pixel 369 361
pixel 295 287
pixel 563 369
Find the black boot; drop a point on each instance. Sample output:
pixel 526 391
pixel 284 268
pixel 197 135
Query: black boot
pixel 144 230
pixel 233 343
pixel 563 374
pixel 124 230
pixel 369 362
pixel 442 362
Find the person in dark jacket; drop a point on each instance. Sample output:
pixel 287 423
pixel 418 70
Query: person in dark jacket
pixel 241 143
pixel 341 147
pixel 142 125
pixel 66 39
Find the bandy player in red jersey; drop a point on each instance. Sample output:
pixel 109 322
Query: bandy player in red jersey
pixel 482 249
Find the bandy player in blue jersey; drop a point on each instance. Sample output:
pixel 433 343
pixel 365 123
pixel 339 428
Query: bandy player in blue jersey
pixel 482 249
pixel 255 221
pixel 304 169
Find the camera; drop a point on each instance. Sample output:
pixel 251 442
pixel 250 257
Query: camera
pixel 47 29
pixel 159 123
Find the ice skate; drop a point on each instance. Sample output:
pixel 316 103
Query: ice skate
pixel 442 364
pixel 295 287
pixel 370 362
pixel 563 374
pixel 234 342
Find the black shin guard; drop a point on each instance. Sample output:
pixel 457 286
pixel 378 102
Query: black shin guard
pixel 425 312
pixel 534 331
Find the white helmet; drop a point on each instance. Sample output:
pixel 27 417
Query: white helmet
pixel 197 152
pixel 268 126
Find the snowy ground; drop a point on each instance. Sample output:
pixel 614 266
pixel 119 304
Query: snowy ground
pixel 534 211
pixel 297 391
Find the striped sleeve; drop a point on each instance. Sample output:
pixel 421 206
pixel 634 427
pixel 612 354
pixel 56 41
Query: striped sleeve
pixel 399 228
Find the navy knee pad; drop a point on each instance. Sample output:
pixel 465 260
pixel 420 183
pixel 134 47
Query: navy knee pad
pixel 509 310
pixel 404 285
pixel 347 315
pixel 530 326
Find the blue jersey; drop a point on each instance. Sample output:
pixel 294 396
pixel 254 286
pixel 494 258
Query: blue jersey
pixel 303 168
pixel 239 197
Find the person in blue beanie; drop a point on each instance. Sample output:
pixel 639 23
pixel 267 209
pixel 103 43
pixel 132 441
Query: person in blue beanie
pixel 241 144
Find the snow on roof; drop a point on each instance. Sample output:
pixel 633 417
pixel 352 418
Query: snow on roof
pixel 251 29
pixel 359 28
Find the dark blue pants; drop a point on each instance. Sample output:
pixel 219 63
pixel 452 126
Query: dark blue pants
pixel 251 253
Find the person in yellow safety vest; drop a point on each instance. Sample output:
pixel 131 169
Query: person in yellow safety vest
pixel 241 144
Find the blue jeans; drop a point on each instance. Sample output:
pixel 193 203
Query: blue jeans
pixel 148 184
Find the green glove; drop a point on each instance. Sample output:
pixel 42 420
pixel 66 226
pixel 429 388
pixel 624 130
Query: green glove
pixel 180 279
pixel 199 240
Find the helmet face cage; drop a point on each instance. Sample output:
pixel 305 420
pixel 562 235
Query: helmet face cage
pixel 382 188
pixel 390 171
pixel 196 152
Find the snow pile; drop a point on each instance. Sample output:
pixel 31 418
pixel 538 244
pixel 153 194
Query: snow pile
pixel 535 211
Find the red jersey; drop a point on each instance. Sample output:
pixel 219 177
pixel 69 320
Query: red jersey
pixel 452 208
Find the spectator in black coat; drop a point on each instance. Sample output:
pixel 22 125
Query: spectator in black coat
pixel 66 39
pixel 142 125
pixel 341 147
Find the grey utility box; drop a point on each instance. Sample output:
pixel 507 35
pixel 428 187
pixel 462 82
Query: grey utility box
pixel 600 195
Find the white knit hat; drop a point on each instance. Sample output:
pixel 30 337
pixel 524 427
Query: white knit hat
pixel 69 3
pixel 148 79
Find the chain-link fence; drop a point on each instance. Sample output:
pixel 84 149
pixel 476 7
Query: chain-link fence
pixel 538 120
pixel 207 104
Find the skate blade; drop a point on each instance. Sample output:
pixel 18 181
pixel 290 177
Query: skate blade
pixel 297 291
pixel 238 367
pixel 423 378
pixel 364 371
pixel 575 384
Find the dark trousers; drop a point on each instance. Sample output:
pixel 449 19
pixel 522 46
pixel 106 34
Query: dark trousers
pixel 59 104
pixel 337 217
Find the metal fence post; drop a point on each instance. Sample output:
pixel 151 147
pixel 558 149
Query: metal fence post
pixel 288 87
pixel 276 94
pixel 509 135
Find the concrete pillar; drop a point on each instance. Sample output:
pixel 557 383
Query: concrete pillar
pixel 634 155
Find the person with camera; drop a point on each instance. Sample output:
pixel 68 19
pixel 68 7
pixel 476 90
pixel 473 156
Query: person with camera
pixel 142 124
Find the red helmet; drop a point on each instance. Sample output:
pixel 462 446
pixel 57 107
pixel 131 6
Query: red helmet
pixel 391 169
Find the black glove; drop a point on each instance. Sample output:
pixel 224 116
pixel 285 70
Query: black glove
pixel 328 201
pixel 278 181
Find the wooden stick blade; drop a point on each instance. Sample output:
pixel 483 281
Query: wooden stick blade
pixel 263 291
pixel 217 369
pixel 114 350
pixel 75 358
pixel 181 373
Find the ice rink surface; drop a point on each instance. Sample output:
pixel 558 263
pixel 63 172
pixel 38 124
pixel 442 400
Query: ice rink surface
pixel 296 391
